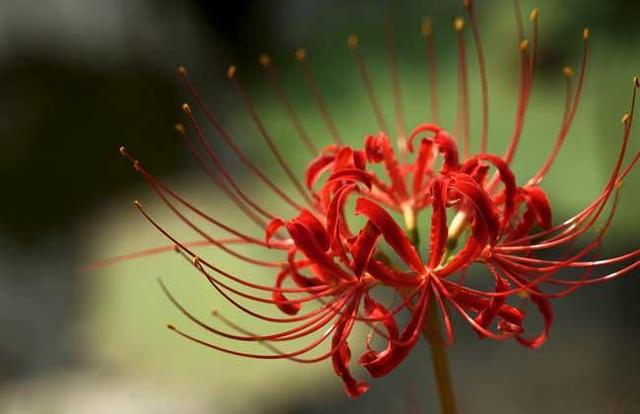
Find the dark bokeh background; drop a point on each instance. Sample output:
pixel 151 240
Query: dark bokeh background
pixel 81 78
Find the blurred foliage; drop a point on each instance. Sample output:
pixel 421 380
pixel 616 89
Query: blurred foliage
pixel 66 123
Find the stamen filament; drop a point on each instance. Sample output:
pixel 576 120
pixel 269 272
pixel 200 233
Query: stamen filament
pixel 427 33
pixel 483 75
pixel 274 81
pixel 463 79
pixel 301 57
pixel 396 90
pixel 366 79
pixel 231 74
pixel 228 140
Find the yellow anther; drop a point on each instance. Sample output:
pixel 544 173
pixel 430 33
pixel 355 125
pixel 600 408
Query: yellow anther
pixel 180 129
pixel 533 16
pixel 137 204
pixel 231 72
pixel 626 118
pixel 186 108
pixel 352 41
pixel 524 45
pixel 585 34
pixel 264 60
pixel 301 54
pixel 426 28
pixel 182 71
pixel 458 24
pixel 567 71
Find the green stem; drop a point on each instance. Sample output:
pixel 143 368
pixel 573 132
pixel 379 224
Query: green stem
pixel 439 360
pixel 433 335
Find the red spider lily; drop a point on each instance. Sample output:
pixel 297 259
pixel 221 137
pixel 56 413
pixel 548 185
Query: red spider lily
pixel 330 277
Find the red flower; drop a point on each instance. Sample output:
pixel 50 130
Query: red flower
pixel 352 273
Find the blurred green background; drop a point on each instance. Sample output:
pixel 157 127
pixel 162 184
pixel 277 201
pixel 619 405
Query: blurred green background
pixel 81 78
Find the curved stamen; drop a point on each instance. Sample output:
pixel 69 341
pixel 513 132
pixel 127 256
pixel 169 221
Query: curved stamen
pixel 353 42
pixel 566 125
pixel 483 75
pixel 396 90
pixel 274 81
pixel 227 139
pixel 220 166
pixel 301 57
pixel 231 74
pixel 427 33
pixel 463 82
pixel 181 130
pixel 305 329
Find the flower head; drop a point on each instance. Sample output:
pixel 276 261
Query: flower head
pixel 330 273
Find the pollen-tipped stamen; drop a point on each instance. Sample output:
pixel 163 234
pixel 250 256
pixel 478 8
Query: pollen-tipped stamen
pixel 228 140
pixel 432 67
pixel 396 91
pixel 312 85
pixel 463 85
pixel 568 121
pixel 274 81
pixel 483 75
pixel 213 156
pixel 220 183
pixel 353 43
pixel 232 75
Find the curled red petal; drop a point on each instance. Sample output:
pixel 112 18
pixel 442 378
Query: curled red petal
pixel 316 167
pixel 399 346
pixel 538 201
pixel 421 129
pixel 353 175
pixel 392 233
pixel 344 159
pixel 422 164
pixel 486 224
pixel 524 226
pixel 284 304
pixel 538 211
pixel 272 228
pixel 486 315
pixel 305 242
pixel 544 307
pixel 511 318
pixel 377 362
pixel 311 222
pixel 373 149
pixel 364 246
pixel 341 355
pixel 359 159
pixel 390 276
pixel 378 149
pixel 507 178
pixel 336 223
pixel 296 276
pixel 449 150
pixel 469 252
pixel 439 228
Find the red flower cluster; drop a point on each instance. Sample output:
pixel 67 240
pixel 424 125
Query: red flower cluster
pixel 350 271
